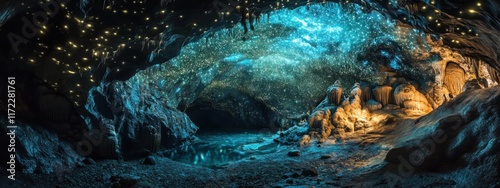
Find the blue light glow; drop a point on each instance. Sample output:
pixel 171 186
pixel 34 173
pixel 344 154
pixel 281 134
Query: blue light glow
pixel 279 61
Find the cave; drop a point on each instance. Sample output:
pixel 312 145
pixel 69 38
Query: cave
pixel 232 93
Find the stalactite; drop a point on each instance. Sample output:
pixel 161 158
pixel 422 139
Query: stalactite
pixel 454 78
pixel 366 93
pixel 383 94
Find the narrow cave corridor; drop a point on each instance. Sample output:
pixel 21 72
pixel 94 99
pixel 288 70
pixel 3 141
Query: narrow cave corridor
pixel 232 93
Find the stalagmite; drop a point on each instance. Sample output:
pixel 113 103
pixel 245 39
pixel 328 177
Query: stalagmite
pixel 408 96
pixel 454 78
pixel 319 123
pixel 356 91
pixel 334 93
pixel 383 94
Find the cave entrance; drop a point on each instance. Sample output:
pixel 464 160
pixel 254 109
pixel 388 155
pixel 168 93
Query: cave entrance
pixel 223 137
pixel 211 120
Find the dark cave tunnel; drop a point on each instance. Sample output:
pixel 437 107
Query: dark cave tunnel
pixel 233 113
pixel 209 119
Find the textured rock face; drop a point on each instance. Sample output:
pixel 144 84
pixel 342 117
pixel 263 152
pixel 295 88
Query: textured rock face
pixel 133 121
pixel 40 151
pixel 320 125
pixel 406 95
pixel 461 133
pixel 373 105
pixel 438 95
pixel 383 94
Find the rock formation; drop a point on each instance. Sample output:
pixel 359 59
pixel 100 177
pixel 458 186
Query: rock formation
pixel 438 95
pixel 373 105
pixel 460 133
pixel 454 78
pixel 366 93
pixel 356 90
pixel 383 94
pixel 334 93
pixel 406 95
pixel 320 125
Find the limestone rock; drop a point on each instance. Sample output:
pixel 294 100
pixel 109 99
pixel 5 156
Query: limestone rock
pixel 373 105
pixel 472 85
pixel 356 90
pixel 366 93
pixel 438 95
pixel 334 93
pixel 319 122
pixel 454 78
pixel 305 140
pixel 346 116
pixel 383 94
pixel 408 96
pixel 292 135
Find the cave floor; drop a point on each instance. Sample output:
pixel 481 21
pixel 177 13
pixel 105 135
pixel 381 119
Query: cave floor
pixel 354 162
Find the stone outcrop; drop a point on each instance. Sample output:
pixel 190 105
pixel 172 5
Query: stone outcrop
pixel 462 133
pixel 40 151
pixel 409 97
pixel 334 93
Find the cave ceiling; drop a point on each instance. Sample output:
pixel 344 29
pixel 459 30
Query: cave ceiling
pixel 83 43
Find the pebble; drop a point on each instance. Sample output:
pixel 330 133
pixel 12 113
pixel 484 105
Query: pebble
pixel 310 172
pixel 294 153
pixel 326 156
pixel 150 160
